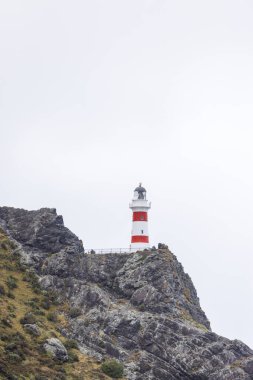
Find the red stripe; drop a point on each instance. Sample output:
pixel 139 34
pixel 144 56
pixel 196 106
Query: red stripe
pixel 140 216
pixel 140 239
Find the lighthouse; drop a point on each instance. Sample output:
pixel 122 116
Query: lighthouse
pixel 140 207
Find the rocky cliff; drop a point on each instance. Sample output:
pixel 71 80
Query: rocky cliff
pixel 140 308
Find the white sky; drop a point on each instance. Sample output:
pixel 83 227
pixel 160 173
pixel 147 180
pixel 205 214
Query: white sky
pixel 96 96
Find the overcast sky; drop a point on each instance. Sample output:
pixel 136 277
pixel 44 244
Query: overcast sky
pixel 96 96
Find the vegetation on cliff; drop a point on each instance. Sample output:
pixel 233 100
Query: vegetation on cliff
pixel 28 317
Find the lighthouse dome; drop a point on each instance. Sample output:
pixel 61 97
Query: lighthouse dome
pixel 140 192
pixel 140 189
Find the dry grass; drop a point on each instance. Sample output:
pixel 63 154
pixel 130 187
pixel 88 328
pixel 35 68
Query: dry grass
pixel 185 315
pixel 23 299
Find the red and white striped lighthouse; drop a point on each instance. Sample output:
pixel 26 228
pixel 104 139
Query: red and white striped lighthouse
pixel 140 207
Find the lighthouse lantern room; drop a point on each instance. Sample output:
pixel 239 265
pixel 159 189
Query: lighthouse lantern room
pixel 140 207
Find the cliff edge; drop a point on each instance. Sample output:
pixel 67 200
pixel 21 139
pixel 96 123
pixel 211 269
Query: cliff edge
pixel 141 308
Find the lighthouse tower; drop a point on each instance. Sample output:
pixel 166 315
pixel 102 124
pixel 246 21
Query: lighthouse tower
pixel 140 207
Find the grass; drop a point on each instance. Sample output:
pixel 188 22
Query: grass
pixel 185 315
pixel 22 301
pixel 187 294
pixel 113 368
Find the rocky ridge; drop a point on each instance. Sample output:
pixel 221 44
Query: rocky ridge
pixel 140 308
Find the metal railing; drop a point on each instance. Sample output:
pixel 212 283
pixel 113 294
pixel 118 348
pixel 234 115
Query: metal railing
pixel 110 250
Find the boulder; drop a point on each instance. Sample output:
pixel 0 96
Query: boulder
pixel 55 347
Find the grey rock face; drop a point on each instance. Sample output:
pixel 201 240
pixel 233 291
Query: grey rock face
pixel 38 233
pixel 54 347
pixel 140 308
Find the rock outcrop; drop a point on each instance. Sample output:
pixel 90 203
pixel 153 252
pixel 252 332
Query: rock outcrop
pixel 55 348
pixel 39 233
pixel 140 308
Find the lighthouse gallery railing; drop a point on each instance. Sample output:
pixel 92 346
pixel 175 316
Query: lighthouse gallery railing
pixel 110 250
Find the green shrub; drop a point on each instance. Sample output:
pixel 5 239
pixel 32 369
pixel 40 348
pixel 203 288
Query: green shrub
pixel 113 369
pixel 11 282
pixel 13 245
pixel 62 370
pixel 5 244
pixel 13 357
pixel 72 357
pixel 33 303
pixel 4 337
pixel 11 346
pixel 53 334
pixel 16 347
pixel 71 343
pixel 39 312
pixel 2 290
pixel 52 317
pixel 37 290
pixel 45 303
pixel 28 318
pixel 9 266
pixel 32 278
pixel 19 338
pixel 9 376
pixel 52 297
pixel 20 266
pixel 75 312
pixel 6 322
pixel 10 295
pixel 11 307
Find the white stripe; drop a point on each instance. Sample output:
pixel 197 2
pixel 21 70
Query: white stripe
pixel 139 245
pixel 140 228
